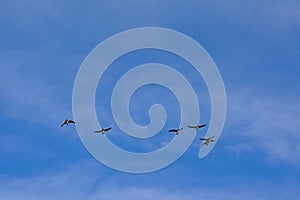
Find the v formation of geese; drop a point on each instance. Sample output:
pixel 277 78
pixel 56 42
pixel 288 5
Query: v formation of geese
pixel 102 131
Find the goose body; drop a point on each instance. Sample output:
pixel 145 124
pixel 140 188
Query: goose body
pixel 177 131
pixel 197 126
pixel 103 131
pixel 207 140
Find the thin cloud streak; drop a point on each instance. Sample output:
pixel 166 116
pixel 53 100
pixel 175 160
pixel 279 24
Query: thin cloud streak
pixel 269 124
pixel 83 181
pixel 24 93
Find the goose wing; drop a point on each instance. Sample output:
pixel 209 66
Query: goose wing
pixel 65 122
pixel 202 125
pixel 205 143
pixel 107 129
pixel 173 130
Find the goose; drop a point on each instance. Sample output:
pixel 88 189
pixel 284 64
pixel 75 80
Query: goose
pixel 207 140
pixel 197 126
pixel 67 122
pixel 177 131
pixel 103 130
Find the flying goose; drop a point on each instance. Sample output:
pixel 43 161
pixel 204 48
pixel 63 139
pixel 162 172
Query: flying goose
pixel 102 130
pixel 67 122
pixel 197 126
pixel 207 140
pixel 177 131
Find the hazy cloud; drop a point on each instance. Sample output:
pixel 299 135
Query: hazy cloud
pixel 84 181
pixel 267 123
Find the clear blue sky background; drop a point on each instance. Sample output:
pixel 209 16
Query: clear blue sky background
pixel 255 45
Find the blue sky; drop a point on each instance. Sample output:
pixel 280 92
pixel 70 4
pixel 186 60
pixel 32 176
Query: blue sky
pixel 255 45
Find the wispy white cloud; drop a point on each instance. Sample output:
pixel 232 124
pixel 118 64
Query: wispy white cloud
pixel 267 123
pixel 26 94
pixel 258 16
pixel 238 148
pixel 84 181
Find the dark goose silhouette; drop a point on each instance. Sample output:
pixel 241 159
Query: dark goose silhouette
pixel 207 140
pixel 197 126
pixel 177 131
pixel 103 131
pixel 67 122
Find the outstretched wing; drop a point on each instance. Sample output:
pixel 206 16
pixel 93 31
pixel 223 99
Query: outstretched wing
pixel 65 122
pixel 203 125
pixel 205 143
pixel 173 130
pixel 202 139
pixel 71 121
pixel 97 131
pixel 107 129
pixel 192 126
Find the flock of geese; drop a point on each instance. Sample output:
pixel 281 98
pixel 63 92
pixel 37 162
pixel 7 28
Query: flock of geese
pixel 197 127
pixel 206 141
